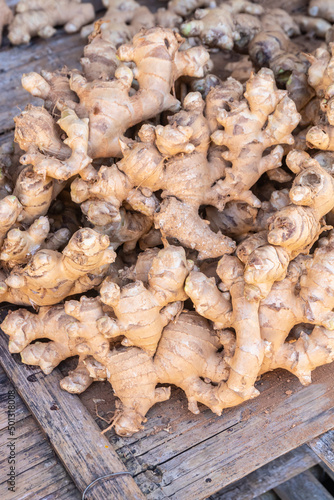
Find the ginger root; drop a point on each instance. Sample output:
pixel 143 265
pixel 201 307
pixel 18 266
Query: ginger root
pixel 70 327
pixel 265 117
pixel 174 363
pixel 132 372
pixel 104 101
pixel 292 230
pixel 152 306
pixel 320 77
pixel 123 157
pixel 50 276
pixel 180 160
pixel 19 245
pixel 233 22
pixel 38 17
pixel 322 8
pixel 6 17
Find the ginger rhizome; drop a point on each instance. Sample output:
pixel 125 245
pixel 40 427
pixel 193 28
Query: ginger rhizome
pixel 103 102
pixel 50 276
pixel 322 8
pixel 123 19
pixel 211 183
pixel 265 34
pixel 264 118
pixel 6 17
pixel 191 171
pixel 143 311
pixel 321 78
pixel 172 159
pixel 299 298
pixel 187 352
pixel 39 18
pixel 233 22
pixel 292 230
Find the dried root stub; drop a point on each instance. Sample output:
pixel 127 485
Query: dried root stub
pixel 39 18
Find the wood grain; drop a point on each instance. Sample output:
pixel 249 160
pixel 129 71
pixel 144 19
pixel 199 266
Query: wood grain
pixel 213 452
pixel 323 446
pixel 38 470
pixel 270 475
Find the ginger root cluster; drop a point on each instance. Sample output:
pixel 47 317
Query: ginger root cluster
pixel 197 212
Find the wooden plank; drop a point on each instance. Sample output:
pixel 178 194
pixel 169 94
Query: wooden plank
pixel 323 446
pixel 267 477
pixel 24 430
pixel 304 486
pixel 31 449
pixel 33 453
pixel 38 482
pixel 21 411
pixel 172 429
pixel 68 492
pixel 267 427
pixel 84 452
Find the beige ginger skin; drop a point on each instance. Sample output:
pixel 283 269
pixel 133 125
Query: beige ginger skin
pixel 102 102
pixel 180 160
pixel 114 159
pixel 50 276
pixel 292 230
pixel 38 17
pixel 152 307
pixel 132 372
pixel 187 353
pixel 300 297
pixel 6 17
pixel 235 370
pixel 321 78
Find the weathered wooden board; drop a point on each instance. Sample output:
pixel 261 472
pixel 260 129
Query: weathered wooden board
pixel 191 456
pixel 85 453
pixel 270 475
pixel 323 446
pixel 21 411
pixel 304 486
pixel 38 471
pixel 178 450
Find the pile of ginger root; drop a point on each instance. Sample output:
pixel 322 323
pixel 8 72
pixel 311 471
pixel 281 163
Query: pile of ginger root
pixel 169 227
